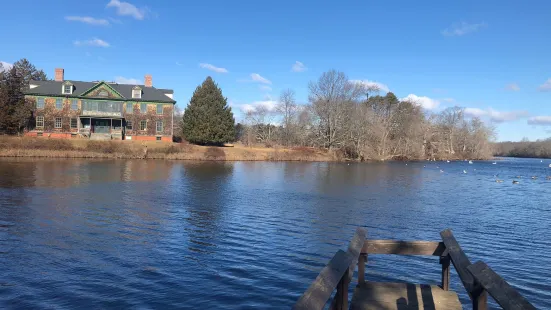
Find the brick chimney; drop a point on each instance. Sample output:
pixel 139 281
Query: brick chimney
pixel 59 72
pixel 148 80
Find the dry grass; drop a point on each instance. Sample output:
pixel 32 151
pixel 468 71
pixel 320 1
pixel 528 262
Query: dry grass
pixel 80 148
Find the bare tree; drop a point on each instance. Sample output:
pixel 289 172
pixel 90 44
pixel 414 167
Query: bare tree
pixel 332 98
pixel 261 121
pixel 288 110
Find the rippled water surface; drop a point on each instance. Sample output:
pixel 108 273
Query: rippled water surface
pixel 161 234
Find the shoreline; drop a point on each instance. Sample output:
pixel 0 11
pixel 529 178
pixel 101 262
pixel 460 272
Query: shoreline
pixel 26 147
pixel 30 147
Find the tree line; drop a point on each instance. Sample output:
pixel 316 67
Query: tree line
pixel 353 119
pixel 524 149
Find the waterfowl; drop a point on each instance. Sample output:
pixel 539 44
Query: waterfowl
pixel 441 170
pixel 548 177
pixel 494 163
pixel 499 181
pixel 515 182
pixel 447 161
pixel 534 177
pixel 464 171
pixel 470 162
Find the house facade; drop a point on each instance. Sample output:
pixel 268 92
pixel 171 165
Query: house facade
pixel 101 110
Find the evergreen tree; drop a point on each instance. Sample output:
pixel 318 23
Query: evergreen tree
pixel 208 119
pixel 27 71
pixel 15 111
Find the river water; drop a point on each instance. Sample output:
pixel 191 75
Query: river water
pixel 244 235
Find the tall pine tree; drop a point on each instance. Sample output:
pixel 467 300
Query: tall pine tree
pixel 15 111
pixel 208 119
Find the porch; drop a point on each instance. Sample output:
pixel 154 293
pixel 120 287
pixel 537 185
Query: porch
pixel 102 128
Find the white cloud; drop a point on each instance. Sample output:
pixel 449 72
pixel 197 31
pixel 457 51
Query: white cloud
pixel 462 28
pixel 88 20
pixel 540 120
pixel 422 101
pixel 512 87
pixel 213 68
pixel 123 80
pixel 546 86
pixel 269 105
pixel 449 100
pixel 265 88
pixel 496 116
pixel 5 66
pixel 93 42
pixel 299 67
pixel 372 85
pixel 128 9
pixel 258 78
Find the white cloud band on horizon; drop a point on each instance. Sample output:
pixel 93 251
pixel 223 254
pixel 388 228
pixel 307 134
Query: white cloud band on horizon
pixel 496 116
pixel 372 85
pixel 422 101
pixel 93 42
pixel 268 105
pixel 127 9
pixel 298 67
pixel 462 28
pixel 88 20
pixel 541 120
pixel 213 68
pixel 130 81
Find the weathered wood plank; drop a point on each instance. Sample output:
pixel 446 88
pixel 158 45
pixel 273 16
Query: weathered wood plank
pixel 355 247
pixel 320 290
pixel 403 247
pixel 445 261
pixel 459 260
pixel 341 297
pixel 361 268
pixel 383 295
pixel 505 295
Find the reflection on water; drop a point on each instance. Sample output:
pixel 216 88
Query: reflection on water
pixel 158 234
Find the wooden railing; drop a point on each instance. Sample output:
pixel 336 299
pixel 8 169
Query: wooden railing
pixel 478 279
pixel 337 274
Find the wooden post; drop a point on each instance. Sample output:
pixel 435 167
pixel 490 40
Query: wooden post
pixel 362 260
pixel 480 300
pixel 445 262
pixel 341 297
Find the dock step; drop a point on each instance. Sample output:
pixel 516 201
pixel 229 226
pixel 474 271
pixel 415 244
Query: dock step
pixel 402 296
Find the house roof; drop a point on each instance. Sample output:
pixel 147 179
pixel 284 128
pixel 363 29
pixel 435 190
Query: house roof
pixel 54 88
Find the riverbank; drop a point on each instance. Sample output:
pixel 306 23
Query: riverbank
pixel 80 148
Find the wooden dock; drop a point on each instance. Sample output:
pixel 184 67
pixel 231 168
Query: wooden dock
pixel 478 279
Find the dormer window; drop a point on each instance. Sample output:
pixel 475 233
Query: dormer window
pixel 67 88
pixel 136 92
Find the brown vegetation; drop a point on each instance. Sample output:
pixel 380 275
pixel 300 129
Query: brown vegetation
pixel 80 148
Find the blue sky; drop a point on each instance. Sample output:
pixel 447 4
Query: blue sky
pixel 491 57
